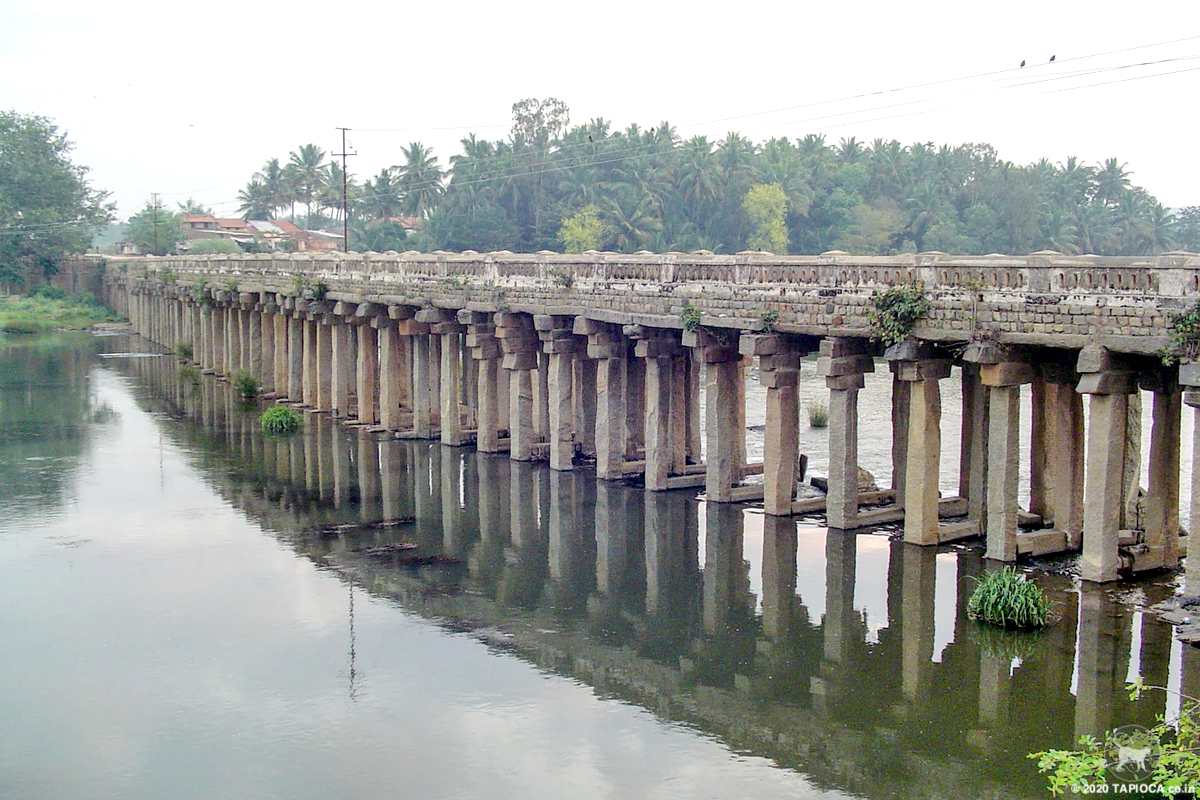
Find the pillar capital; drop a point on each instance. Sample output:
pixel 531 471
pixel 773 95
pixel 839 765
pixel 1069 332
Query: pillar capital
pixel 837 366
pixel 1006 373
pixel 933 369
pixel 1110 382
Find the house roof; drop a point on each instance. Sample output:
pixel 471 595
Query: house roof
pixel 263 226
pixel 285 225
pixel 233 224
pixel 188 218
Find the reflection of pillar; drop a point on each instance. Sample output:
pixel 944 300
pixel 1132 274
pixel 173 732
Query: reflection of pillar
pixel 780 542
pixel 918 596
pixel 392 467
pixel 341 468
pixel 842 626
pixel 453 532
pixel 612 537
pixel 726 584
pixel 995 686
pixel 1097 654
pixel 569 535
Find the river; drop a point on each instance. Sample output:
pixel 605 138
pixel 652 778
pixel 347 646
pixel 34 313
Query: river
pixel 189 609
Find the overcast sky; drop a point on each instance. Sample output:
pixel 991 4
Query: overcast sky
pixel 190 99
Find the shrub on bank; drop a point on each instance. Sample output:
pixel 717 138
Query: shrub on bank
pixel 1009 600
pixel 281 419
pixel 48 309
pixel 818 415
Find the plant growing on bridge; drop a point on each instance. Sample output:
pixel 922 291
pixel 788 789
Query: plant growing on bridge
pixel 1184 329
pixel 184 351
pixel 231 286
pixel 1009 600
pixel 281 420
pixel 897 311
pixel 562 278
pixel 189 374
pixel 818 415
pixel 318 291
pixel 691 317
pixel 1170 754
pixel 769 318
pixel 246 385
pixel 300 284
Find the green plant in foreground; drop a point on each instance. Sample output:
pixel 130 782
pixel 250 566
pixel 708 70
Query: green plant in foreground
pixel 769 319
pixel 691 317
pixel 246 384
pixel 1008 599
pixel 897 311
pixel 1169 754
pixel 818 415
pixel 280 419
pixel 189 374
pixel 184 351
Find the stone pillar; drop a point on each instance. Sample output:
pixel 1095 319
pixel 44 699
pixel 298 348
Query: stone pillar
pixel 1004 380
pixel 842 363
pixel 974 453
pixel 233 343
pixel 450 336
pixel 368 365
pixel 901 391
pixel 422 383
pixel 725 438
pixel 923 454
pixel 519 342
pixel 485 353
pixel 1192 586
pixel 1039 502
pixel 657 426
pixel 280 320
pixel 1108 409
pixel 1162 490
pixel 205 352
pixel 635 407
pixel 340 365
pixel 562 445
pixel 585 394
pixel 324 364
pixel 541 397
pixel 310 360
pixel 266 348
pixel 609 350
pixel 392 373
pixel 779 372
pixel 295 378
pixel 1064 475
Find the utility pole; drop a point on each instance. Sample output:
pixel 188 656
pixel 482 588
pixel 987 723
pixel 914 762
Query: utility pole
pixel 154 197
pixel 345 202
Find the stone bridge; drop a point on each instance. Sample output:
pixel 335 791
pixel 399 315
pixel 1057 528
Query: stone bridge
pixel 606 356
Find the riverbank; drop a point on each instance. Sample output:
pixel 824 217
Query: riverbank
pixel 47 309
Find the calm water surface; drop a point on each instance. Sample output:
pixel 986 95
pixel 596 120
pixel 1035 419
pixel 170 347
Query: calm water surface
pixel 189 609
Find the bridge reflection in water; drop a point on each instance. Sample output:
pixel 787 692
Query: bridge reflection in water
pixel 847 657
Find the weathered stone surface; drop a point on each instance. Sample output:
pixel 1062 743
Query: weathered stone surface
pixel 1007 373
pixel 1107 383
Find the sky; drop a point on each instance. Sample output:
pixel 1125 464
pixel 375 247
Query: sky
pixel 189 100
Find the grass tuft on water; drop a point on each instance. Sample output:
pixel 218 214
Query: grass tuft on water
pixel 246 385
pixel 46 309
pixel 281 420
pixel 818 415
pixel 1008 599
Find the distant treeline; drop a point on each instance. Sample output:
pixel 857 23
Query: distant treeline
pixel 550 186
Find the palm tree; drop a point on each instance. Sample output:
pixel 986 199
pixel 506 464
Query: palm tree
pixel 851 151
pixel 420 180
pixel 698 175
pixel 275 178
pixel 1162 230
pixel 1111 180
pixel 381 197
pixel 310 172
pixel 631 219
pixel 255 200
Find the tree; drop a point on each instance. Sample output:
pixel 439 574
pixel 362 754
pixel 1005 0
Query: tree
pixel 766 207
pixel 48 209
pixel 1188 229
pixel 256 200
pixel 192 207
pixel 309 172
pixel 156 230
pixel 582 231
pixel 420 180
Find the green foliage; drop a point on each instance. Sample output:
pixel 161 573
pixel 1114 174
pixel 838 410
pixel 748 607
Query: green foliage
pixel 769 320
pixel 897 311
pixel 231 286
pixel 691 317
pixel 189 373
pixel 156 230
pixel 281 420
pixel 47 313
pixel 1172 761
pixel 47 207
pixel 300 284
pixel 168 276
pixel 205 247
pixel 318 291
pixel 48 292
pixel 766 208
pixel 582 231
pixel 184 351
pixel 1009 600
pixel 563 278
pixel 246 385
pixel 1184 329
pixel 818 415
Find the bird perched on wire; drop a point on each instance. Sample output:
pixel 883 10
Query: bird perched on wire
pixel 1022 63
pixel 1052 59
